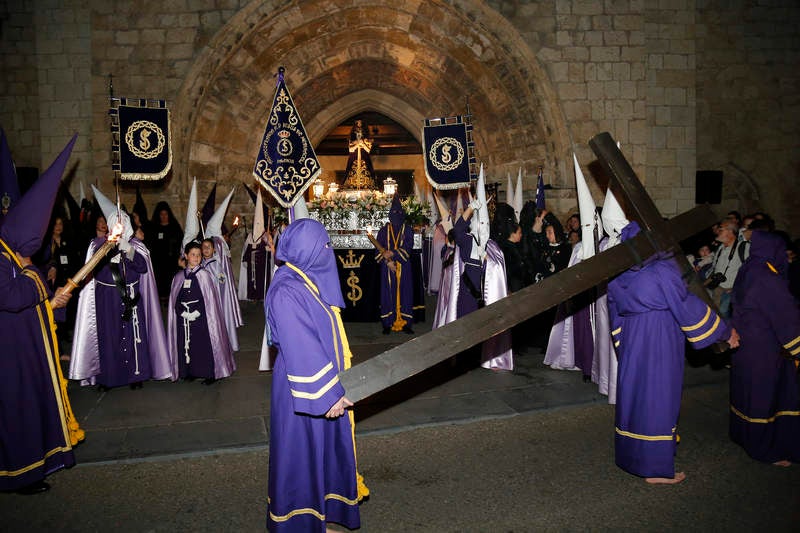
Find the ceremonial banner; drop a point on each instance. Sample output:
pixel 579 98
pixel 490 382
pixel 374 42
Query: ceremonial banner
pixel 141 142
pixel 286 164
pixel 448 149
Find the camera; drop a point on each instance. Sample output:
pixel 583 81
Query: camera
pixel 714 280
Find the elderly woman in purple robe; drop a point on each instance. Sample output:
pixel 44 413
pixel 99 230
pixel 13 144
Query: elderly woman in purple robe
pixel 198 339
pixel 652 316
pixel 765 406
pixel 312 456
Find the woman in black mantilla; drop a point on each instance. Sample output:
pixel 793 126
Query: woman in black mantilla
pixel 164 242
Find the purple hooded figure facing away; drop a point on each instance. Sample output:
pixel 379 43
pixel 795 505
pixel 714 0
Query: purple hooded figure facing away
pixel 37 429
pixel 765 407
pixel 312 456
pixel 652 316
pixel 397 281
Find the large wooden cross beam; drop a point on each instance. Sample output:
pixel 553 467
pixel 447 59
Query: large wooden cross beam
pixel 410 358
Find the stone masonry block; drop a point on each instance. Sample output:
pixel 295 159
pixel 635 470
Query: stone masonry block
pixel 575 53
pixel 577 110
pixel 605 71
pixel 628 90
pixel 576 72
pixel 615 38
pixel 675 62
pixel 675 96
pixel 621 71
pixel 668 177
pixel 602 22
pixel 628 22
pixel 595 90
pixel 611 89
pixel 560 71
pixel 572 91
pixel 127 37
pixel 587 7
pixel 604 53
pixel 593 38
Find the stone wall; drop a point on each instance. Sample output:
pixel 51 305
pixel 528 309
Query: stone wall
pixel 682 84
pixel 748 74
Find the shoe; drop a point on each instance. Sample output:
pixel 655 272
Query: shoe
pixel 34 488
pixel 209 381
pixel 386 331
pixel 189 378
pixel 137 385
pixel 407 329
pixel 103 388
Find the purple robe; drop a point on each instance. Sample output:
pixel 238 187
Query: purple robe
pixel 652 316
pixel 397 288
pixel 765 407
pixel 496 352
pixel 312 461
pixel 109 350
pixel 254 273
pixel 194 305
pixel 34 436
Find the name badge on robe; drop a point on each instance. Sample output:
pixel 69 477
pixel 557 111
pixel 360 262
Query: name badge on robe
pixel 160 235
pixel 63 259
pixel 187 284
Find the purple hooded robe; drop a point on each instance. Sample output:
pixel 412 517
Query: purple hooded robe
pixel 37 428
pixel 652 316
pixel 207 353
pixel 397 288
pixel 765 407
pixel 132 350
pixel 312 460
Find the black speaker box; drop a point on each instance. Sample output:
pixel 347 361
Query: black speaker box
pixel 708 187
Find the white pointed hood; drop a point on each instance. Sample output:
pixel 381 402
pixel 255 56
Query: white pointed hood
pixel 517 204
pixel 510 191
pixel 214 226
pixel 258 220
pixel 479 223
pixel 192 226
pixel 588 211
pixel 434 212
pixel 82 193
pixel 112 214
pixel 300 209
pixel 613 219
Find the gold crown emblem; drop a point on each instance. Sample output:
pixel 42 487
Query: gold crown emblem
pixel 350 261
pixel 283 134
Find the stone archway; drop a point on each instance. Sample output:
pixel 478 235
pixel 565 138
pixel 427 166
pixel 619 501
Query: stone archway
pixel 386 56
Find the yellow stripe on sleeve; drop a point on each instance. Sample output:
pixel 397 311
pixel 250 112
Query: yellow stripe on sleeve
pixel 699 324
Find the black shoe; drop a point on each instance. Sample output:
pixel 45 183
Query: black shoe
pixel 137 385
pixel 407 329
pixel 386 331
pixel 34 488
pixel 209 381
pixel 189 378
pixel 587 379
pixel 103 388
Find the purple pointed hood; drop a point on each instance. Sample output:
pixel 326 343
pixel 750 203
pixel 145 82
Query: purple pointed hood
pixel 9 186
pixel 396 214
pixel 25 225
pixel 766 246
pixel 306 245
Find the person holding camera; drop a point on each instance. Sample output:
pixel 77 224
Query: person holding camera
pixel 728 258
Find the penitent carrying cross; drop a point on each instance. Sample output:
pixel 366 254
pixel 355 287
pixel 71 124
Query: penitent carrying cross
pixel 408 359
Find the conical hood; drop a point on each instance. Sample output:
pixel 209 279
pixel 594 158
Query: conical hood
pixel 588 213
pixel 397 215
pixel 258 220
pixel 509 190
pixel 479 223
pixel 214 227
pixel 417 192
pixel 112 215
pixel 82 192
pixel 26 223
pixel 299 209
pixel 540 202
pixel 9 185
pixel 139 208
pixel 208 208
pixel 192 225
pixel 613 218
pixel 517 204
pixel 434 212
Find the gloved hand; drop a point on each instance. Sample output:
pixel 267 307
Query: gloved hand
pixel 475 204
pixel 124 245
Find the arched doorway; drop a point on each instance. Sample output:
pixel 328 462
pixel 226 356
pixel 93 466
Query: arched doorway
pixel 387 57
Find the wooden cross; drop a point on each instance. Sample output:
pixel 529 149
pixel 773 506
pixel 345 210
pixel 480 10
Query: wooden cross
pixel 425 351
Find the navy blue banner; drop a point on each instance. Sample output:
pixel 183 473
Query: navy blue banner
pixel 286 164
pixel 145 151
pixel 447 147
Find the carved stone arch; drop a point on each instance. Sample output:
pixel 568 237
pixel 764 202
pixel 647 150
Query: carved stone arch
pixel 366 100
pixel 391 54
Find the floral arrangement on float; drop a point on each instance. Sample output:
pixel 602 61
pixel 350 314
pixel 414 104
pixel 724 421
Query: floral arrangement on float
pixel 350 210
pixel 417 213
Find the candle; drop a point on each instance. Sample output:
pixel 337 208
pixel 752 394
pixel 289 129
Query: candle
pixel 100 253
